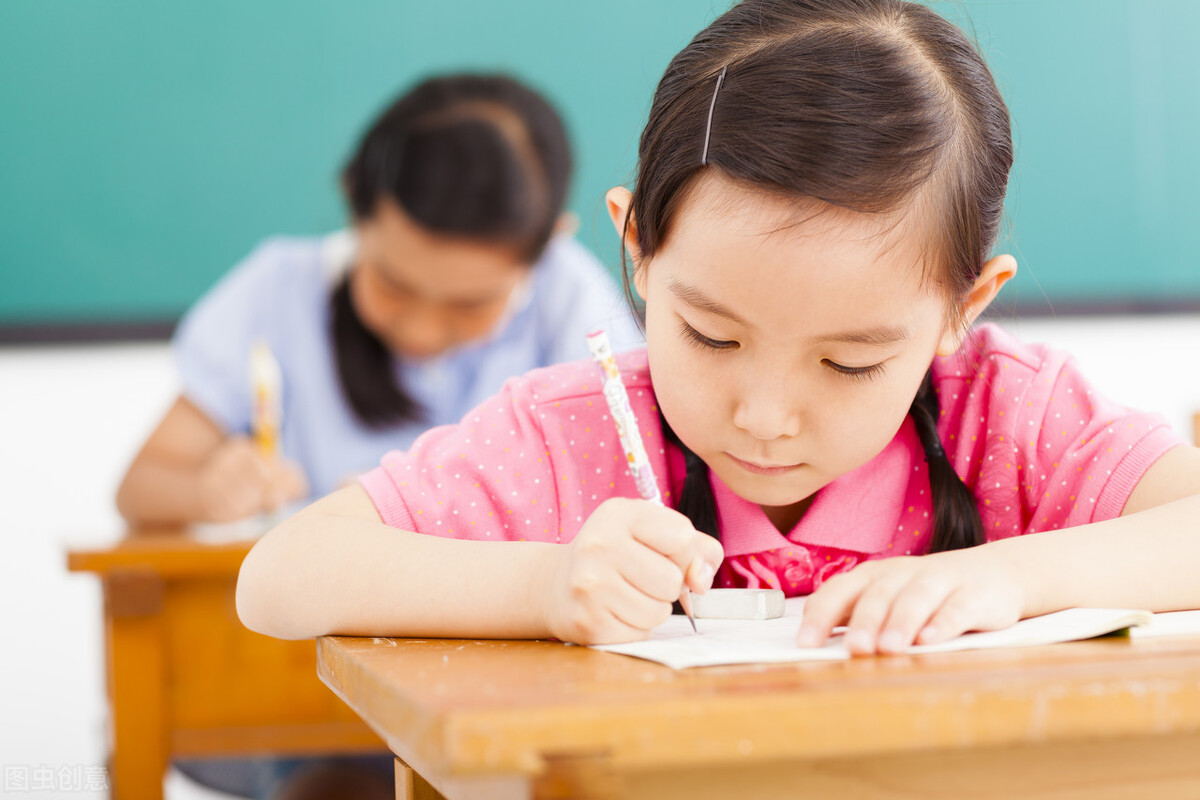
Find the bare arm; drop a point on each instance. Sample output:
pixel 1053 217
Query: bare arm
pixel 336 568
pixel 190 471
pixel 1146 558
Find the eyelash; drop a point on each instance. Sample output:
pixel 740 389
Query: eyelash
pixel 702 342
pixel 855 373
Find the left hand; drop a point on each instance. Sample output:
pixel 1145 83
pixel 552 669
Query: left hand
pixel 892 603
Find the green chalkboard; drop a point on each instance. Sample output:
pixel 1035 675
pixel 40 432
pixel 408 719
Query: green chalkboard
pixel 145 146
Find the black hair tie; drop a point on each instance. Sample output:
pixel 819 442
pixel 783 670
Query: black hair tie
pixel 934 450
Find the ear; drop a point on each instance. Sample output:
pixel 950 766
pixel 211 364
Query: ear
pixel 619 201
pixel 995 273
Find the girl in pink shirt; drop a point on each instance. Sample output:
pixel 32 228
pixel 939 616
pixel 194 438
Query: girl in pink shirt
pixel 818 193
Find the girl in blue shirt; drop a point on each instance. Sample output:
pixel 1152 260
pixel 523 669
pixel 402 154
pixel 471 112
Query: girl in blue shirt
pixel 457 274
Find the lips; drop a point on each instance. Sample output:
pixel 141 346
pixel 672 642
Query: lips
pixel 763 469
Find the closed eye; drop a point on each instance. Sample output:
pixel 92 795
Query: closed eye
pixel 857 373
pixel 702 342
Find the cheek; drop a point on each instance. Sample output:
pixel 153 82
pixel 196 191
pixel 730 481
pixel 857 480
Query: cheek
pixel 368 304
pixel 867 419
pixel 478 323
pixel 689 390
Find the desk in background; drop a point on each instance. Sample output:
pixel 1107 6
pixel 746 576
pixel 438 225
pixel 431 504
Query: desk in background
pixel 186 679
pixel 1101 719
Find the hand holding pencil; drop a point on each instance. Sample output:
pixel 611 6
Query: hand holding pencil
pixel 616 581
pixel 632 558
pixel 244 475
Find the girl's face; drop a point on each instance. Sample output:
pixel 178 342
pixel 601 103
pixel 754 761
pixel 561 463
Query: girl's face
pixel 423 293
pixel 786 348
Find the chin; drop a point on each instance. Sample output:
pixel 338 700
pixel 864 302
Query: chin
pixel 767 492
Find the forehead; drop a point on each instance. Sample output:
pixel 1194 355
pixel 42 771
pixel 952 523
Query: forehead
pixel 791 254
pixel 435 263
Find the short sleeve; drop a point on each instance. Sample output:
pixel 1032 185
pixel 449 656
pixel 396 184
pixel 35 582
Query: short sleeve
pixel 1039 447
pixel 488 477
pixel 212 343
pixel 1085 453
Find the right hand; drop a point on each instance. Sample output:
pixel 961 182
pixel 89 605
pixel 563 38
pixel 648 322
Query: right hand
pixel 237 481
pixel 616 580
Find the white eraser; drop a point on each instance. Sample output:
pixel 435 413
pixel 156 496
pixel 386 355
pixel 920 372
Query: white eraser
pixel 738 604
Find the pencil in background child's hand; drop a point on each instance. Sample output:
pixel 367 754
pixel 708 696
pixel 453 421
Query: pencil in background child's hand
pixel 266 385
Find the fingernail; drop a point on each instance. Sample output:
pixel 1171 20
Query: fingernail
pixel 929 634
pixel 891 642
pixel 705 574
pixel 808 636
pixel 859 642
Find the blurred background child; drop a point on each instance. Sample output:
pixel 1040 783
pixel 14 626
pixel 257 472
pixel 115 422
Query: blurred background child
pixel 459 271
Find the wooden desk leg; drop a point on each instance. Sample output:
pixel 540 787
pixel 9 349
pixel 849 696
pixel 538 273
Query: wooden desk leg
pixel 137 684
pixel 411 786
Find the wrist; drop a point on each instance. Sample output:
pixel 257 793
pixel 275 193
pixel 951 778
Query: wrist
pixel 1036 591
pixel 546 565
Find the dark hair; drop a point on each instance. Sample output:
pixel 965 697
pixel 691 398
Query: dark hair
pixel 479 157
pixel 865 105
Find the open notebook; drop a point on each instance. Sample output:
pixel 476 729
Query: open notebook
pixel 773 641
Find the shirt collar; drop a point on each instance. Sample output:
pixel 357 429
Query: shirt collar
pixel 859 511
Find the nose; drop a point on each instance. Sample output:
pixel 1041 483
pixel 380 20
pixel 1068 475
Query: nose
pixel 768 412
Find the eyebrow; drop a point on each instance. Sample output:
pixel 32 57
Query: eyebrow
pixel 878 335
pixel 699 300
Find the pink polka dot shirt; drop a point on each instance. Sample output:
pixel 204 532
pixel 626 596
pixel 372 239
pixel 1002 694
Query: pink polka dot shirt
pixel 1035 444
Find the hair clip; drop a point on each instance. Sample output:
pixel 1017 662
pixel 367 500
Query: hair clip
pixel 711 106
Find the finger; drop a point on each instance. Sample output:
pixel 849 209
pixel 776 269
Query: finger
pixel 670 533
pixel 700 574
pixel 637 610
pixel 619 613
pixel 297 481
pixel 872 608
pixel 599 626
pixel 911 611
pixel 957 615
pixel 247 462
pixel 648 571
pixel 829 606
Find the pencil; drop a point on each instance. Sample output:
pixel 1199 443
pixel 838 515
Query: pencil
pixel 627 431
pixel 266 381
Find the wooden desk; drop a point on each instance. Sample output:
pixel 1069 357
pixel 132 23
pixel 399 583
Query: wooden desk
pixel 1106 718
pixel 186 679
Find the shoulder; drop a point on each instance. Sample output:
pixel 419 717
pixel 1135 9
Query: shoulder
pixel 999 359
pixel 280 264
pixel 281 260
pixel 567 267
pixel 579 380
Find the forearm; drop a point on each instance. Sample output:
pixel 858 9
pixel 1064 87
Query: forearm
pixel 156 492
pixel 1145 560
pixel 324 571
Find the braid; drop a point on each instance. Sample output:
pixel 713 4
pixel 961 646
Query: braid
pixel 696 501
pixel 956 522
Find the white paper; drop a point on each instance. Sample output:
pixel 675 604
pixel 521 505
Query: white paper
pixel 1169 623
pixel 773 641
